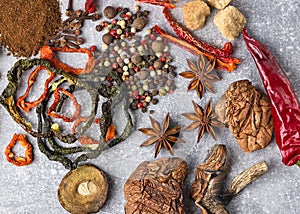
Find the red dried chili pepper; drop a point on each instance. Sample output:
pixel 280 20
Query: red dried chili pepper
pixel 19 161
pixel 188 37
pixel 47 53
pixel 164 3
pixel 26 105
pixel 229 66
pixel 284 102
pixel 90 6
pixel 51 111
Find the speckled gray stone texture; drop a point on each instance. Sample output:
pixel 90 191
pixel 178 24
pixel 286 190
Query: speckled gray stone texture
pixel 33 189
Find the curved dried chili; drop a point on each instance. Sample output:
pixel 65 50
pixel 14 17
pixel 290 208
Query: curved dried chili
pixel 284 102
pixel 164 3
pixel 26 105
pixel 17 160
pixel 184 34
pixel 229 66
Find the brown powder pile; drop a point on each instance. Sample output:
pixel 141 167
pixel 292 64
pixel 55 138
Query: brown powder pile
pixel 26 25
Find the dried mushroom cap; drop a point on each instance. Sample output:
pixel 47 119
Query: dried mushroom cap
pixel 156 187
pixel 248 115
pixel 83 190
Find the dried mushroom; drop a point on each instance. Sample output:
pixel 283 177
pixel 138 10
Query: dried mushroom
pixel 195 13
pixel 156 187
pixel 248 115
pixel 83 190
pixel 230 22
pixel 210 175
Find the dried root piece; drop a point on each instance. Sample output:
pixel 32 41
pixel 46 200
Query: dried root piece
pixel 156 187
pixel 246 177
pixel 210 176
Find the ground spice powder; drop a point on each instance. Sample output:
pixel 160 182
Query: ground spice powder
pixel 26 25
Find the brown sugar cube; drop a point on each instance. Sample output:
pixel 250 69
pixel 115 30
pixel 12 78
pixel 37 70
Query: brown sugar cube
pixel 219 4
pixel 195 13
pixel 230 22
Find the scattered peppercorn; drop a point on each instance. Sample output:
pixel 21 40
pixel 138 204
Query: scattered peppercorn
pixel 110 12
pixel 139 23
pixel 157 46
pixel 107 38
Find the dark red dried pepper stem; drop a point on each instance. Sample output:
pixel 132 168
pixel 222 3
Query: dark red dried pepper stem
pixel 187 36
pixel 164 3
pixel 90 6
pixel 284 102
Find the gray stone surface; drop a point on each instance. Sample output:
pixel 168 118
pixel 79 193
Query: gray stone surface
pixel 33 188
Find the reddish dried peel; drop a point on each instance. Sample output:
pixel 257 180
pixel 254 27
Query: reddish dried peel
pixel 19 161
pixel 111 132
pixel 47 53
pixel 229 66
pixel 26 105
pixel 51 111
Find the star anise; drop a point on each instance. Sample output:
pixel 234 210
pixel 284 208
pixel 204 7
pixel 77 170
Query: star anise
pixel 201 75
pixel 161 136
pixel 203 120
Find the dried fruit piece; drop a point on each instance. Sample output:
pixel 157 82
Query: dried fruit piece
pixel 230 22
pixel 195 13
pixel 83 190
pixel 248 115
pixel 156 187
pixel 219 4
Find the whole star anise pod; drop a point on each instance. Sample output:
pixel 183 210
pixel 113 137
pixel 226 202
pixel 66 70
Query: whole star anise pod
pixel 201 75
pixel 203 120
pixel 161 136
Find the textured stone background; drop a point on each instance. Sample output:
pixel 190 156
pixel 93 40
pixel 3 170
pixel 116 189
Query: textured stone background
pixel 33 189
